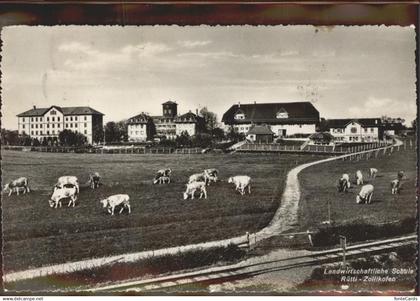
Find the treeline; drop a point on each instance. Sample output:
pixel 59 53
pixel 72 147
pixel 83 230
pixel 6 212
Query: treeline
pixel 65 138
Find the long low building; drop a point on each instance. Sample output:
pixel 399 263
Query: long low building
pixel 356 129
pixel 283 118
pixel 47 123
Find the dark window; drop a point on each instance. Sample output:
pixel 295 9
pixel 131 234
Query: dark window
pixel 53 119
pixel 32 126
pixel 36 119
pixel 85 131
pixel 48 125
pixel 23 119
pixel 71 118
pixel 85 125
pixel 58 118
pixel 48 118
pixel 53 125
pixel 32 119
pixel 32 132
pixel 353 130
pixel 75 118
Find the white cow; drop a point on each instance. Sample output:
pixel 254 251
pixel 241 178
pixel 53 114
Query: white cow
pixel 162 180
pixel 373 172
pixel 365 194
pixel 63 193
pixel 194 187
pixel 16 185
pixel 94 180
pixel 67 181
pixel 116 200
pixel 395 186
pixel 198 177
pixel 241 182
pixel 343 183
pixel 359 178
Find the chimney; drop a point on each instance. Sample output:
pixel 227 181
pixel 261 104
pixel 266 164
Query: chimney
pixel 196 112
pixel 34 107
pixel 255 102
pixel 239 104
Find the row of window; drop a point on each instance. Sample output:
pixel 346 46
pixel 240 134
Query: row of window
pixel 53 125
pixel 353 130
pixel 53 132
pixel 41 119
pixel 132 133
pixel 137 125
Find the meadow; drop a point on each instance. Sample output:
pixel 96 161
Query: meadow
pixel 318 185
pixel 35 235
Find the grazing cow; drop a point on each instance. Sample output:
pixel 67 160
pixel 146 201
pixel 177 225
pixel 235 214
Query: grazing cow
pixel 359 178
pixel 67 181
pixel 63 193
pixel 198 177
pixel 365 194
pixel 395 186
pixel 241 182
pixel 400 175
pixel 162 173
pixel 162 180
pixel 116 200
pixel 16 185
pixel 373 172
pixel 195 187
pixel 211 175
pixel 343 183
pixel 94 180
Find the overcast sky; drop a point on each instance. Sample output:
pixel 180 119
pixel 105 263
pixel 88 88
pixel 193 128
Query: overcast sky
pixel 121 71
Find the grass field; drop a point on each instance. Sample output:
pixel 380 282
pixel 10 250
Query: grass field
pixel 35 234
pixel 319 185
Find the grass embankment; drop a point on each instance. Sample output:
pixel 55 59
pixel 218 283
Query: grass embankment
pixel 115 272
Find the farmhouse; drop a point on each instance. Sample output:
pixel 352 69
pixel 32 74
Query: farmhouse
pixel 47 123
pixel 283 118
pixel 260 134
pixel 356 130
pixel 139 127
pixel 168 125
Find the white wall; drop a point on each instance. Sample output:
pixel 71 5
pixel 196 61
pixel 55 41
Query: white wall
pixel 291 129
pixel 360 134
pixel 137 132
pixel 189 127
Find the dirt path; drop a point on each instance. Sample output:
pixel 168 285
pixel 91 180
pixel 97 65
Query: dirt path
pixel 284 219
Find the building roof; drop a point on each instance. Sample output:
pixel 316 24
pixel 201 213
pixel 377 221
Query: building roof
pixel 298 113
pixel 187 118
pixel 141 118
pixel 170 103
pixel 364 122
pixel 260 130
pixel 65 110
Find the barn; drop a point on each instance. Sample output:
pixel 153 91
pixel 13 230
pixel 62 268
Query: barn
pixel 283 118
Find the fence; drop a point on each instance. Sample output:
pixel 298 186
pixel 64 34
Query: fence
pixel 112 150
pixel 326 149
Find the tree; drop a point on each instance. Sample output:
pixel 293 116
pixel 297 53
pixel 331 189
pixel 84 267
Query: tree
pixel 202 140
pixel 218 133
pixel 9 137
pixel 234 135
pixel 112 133
pixel 122 130
pixel 69 138
pixel 210 119
pixel 414 124
pixel 97 133
pixel 183 140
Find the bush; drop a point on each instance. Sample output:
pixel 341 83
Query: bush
pixel 329 235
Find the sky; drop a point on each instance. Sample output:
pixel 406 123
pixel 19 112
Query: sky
pixel 346 72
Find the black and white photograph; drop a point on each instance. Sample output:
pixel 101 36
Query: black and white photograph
pixel 209 160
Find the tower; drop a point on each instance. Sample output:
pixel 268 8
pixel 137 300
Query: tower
pixel 170 109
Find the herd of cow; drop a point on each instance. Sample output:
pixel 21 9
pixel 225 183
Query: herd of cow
pixel 68 187
pixel 366 192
